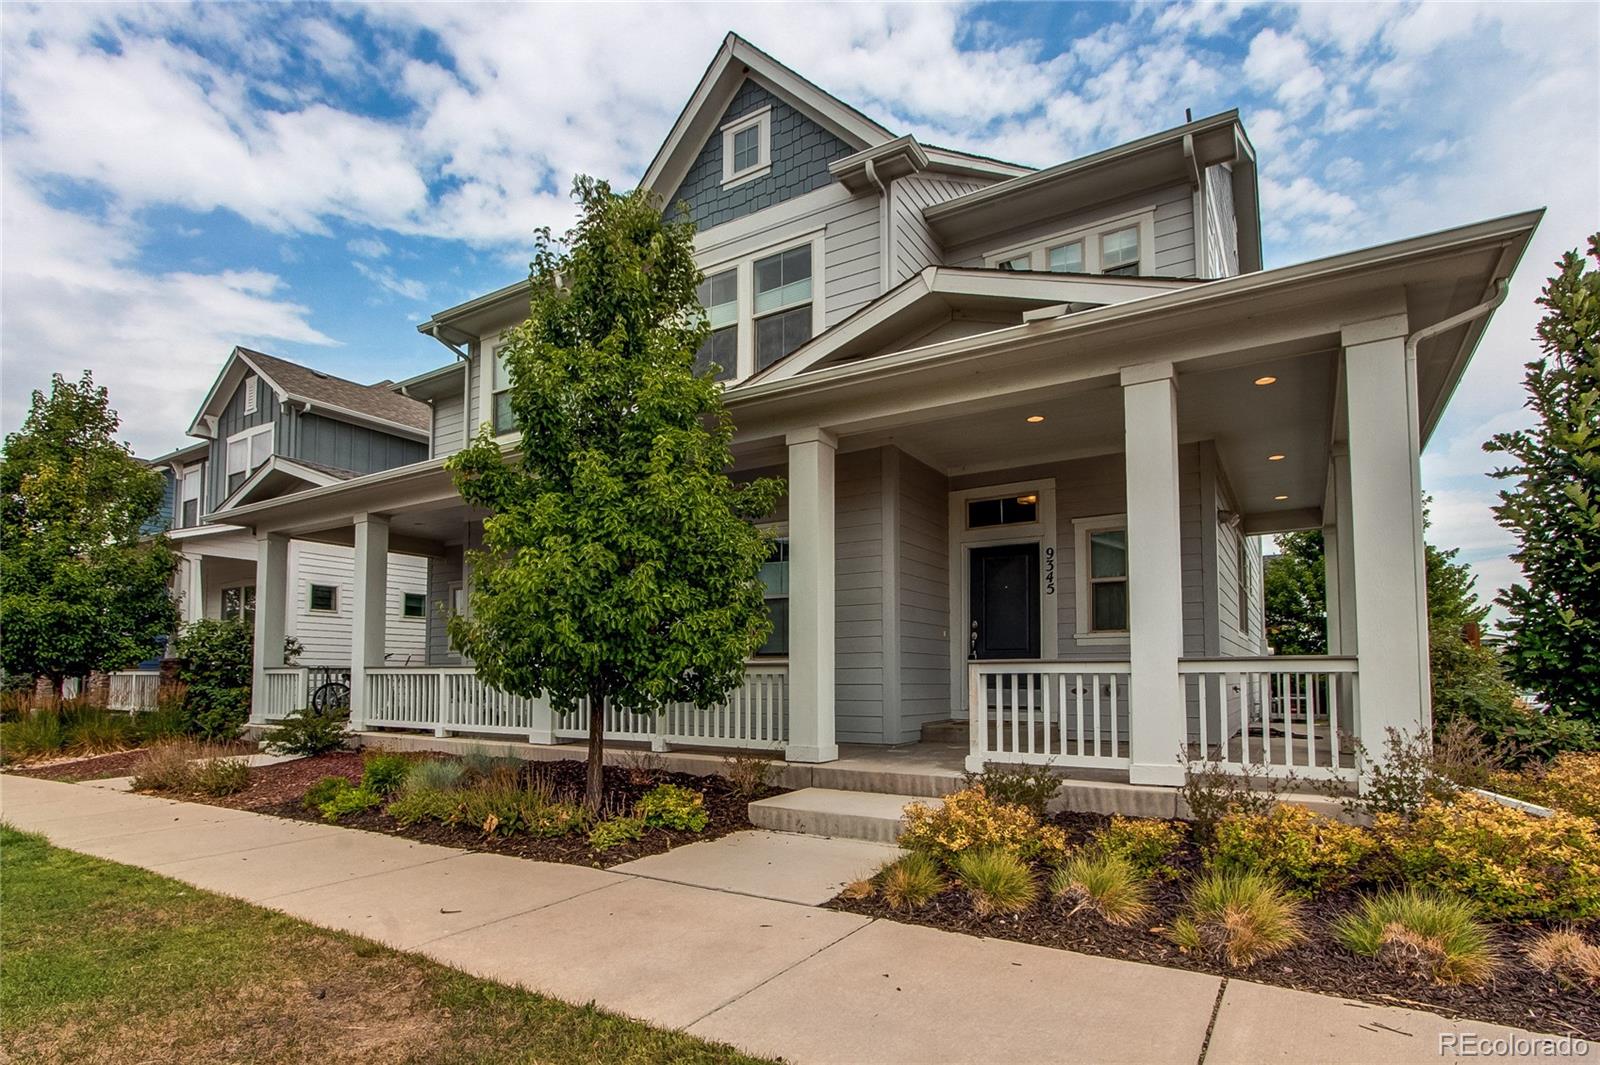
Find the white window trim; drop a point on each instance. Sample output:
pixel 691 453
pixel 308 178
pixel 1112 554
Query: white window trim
pixel 1081 528
pixel 423 617
pixel 1039 249
pixel 1041 532
pixel 1244 594
pixel 225 589
pixel 744 263
pixel 779 530
pixel 252 389
pixel 318 610
pixel 487 348
pixel 227 467
pixel 199 471
pixel 762 119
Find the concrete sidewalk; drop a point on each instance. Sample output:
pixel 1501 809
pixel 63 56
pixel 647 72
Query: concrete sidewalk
pixel 723 939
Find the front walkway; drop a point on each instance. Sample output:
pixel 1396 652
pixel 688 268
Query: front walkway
pixel 720 947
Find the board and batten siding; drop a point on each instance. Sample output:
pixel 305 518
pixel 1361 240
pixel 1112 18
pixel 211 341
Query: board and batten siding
pixel 914 247
pixel 311 437
pixel 1174 231
pixel 326 635
pixel 233 419
pixel 921 539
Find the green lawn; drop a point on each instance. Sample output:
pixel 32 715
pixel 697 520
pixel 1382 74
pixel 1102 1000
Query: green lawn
pixel 105 963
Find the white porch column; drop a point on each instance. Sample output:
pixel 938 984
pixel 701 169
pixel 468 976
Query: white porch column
pixel 194 588
pixel 369 621
pixel 1338 560
pixel 1155 574
pixel 811 597
pixel 1385 531
pixel 272 601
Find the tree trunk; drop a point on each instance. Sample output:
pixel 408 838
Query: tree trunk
pixel 594 789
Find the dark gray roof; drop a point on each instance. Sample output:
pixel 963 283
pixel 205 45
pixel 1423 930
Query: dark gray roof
pixel 374 400
pixel 331 471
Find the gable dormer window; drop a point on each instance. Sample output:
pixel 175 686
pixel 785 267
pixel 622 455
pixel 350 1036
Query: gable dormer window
pixel 250 390
pixel 747 147
pixel 247 452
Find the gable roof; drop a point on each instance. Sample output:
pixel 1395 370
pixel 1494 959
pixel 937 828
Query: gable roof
pixel 376 405
pixel 280 476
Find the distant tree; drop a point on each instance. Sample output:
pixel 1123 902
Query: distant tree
pixel 1552 627
pixel 619 562
pixel 80 587
pixel 1296 596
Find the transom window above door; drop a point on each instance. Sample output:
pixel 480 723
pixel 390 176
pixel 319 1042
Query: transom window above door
pixel 1005 510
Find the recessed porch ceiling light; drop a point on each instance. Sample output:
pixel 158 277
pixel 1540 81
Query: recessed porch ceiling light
pixel 1268 380
pixel 1274 458
pixel 1035 419
pixel 1280 499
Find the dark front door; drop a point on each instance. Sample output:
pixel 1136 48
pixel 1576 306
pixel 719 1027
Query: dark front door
pixel 1005 602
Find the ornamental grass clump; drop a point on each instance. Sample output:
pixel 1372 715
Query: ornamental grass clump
pixel 433 774
pixel 1423 933
pixel 997 881
pixel 673 806
pixel 1307 852
pixel 1567 956
pixel 910 882
pixel 1511 865
pixel 1103 883
pixel 415 804
pixel 1145 844
pixel 189 768
pixel 971 819
pixel 1238 919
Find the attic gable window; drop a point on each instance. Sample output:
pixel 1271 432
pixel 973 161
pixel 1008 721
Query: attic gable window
pixel 747 147
pixel 250 394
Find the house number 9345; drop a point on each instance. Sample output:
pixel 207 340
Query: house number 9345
pixel 1049 571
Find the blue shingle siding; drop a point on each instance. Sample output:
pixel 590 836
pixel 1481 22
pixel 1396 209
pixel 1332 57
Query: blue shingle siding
pixel 161 521
pixel 800 152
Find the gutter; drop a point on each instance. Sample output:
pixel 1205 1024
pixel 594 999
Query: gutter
pixel 1502 289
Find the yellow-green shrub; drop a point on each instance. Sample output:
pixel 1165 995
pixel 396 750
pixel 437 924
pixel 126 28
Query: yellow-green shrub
pixel 1305 851
pixel 1143 843
pixel 970 819
pixel 1569 782
pixel 671 806
pixel 1512 864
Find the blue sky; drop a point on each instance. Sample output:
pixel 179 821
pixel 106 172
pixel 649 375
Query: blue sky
pixel 315 180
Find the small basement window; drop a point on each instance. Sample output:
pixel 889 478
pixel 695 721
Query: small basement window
pixel 1007 510
pixel 414 605
pixel 324 598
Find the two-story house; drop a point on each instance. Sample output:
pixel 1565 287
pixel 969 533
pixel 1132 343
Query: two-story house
pixel 267 429
pixel 1033 424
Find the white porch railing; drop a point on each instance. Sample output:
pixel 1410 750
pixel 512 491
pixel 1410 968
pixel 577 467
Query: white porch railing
pixel 285 690
pixel 134 689
pixel 1285 712
pixel 1062 713
pixel 454 699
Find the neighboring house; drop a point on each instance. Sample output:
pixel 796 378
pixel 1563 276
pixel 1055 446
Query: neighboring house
pixel 1033 422
pixel 270 428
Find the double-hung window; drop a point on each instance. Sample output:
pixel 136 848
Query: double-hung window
pixel 1244 584
pixel 189 509
pixel 1017 263
pixel 239 603
pixel 1119 251
pixel 775 575
pixel 500 393
pixel 782 304
pixel 1102 576
pixel 247 451
pixel 1119 246
pixel 719 295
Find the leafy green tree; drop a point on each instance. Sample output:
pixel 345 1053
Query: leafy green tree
pixel 80 588
pixel 1553 506
pixel 215 660
pixel 1296 598
pixel 619 564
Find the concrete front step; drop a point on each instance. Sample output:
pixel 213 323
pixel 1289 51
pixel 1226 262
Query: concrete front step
pixel 831 812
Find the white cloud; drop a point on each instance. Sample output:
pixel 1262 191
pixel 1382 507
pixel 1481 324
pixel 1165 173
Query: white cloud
pixel 1282 64
pixel 385 278
pixel 367 247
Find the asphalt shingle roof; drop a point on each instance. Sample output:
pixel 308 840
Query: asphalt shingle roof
pixel 376 400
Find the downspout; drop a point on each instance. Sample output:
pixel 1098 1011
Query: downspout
pixel 466 389
pixel 885 225
pixel 1502 289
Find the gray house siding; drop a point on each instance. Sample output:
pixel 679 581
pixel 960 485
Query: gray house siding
pixel 1174 231
pixel 442 572
pixel 858 602
pixel 800 153
pixel 314 438
pixel 914 246
pixel 1221 227
pixel 448 418
pixel 852 245
pixel 233 419
pixel 922 596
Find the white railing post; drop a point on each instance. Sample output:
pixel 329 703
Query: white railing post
pixel 977 722
pixel 442 693
pixel 542 725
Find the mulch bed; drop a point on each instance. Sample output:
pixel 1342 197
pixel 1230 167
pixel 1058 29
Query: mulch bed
pixel 278 790
pixel 100 766
pixel 1520 996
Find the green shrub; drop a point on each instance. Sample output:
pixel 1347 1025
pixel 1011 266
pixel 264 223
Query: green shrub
pixel 217 777
pixel 615 832
pixel 1030 786
pixel 384 771
pixel 323 791
pixel 503 805
pixel 433 774
pixel 911 882
pixel 425 804
pixel 214 660
pixel 168 721
pixel 1104 883
pixel 970 819
pixel 35 734
pixel 748 773
pixel 1571 782
pixel 1237 918
pixel 308 732
pixel 1513 865
pixel 1423 932
pixel 1301 849
pixel 349 799
pixel 1212 790
pixel 1144 843
pixel 672 806
pixel 997 881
